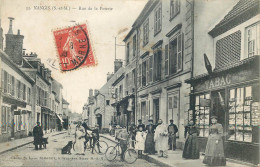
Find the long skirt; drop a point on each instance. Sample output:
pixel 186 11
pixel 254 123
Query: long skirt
pixel 214 153
pixel 149 144
pixel 79 146
pixel 191 147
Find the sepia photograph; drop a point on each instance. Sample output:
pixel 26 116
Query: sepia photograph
pixel 121 83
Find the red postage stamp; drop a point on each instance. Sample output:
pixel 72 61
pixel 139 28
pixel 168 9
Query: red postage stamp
pixel 74 47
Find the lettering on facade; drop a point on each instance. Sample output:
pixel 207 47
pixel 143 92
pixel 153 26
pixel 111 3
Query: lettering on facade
pixel 218 81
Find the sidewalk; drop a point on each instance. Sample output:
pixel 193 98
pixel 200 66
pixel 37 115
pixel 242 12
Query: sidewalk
pixel 14 144
pixel 175 159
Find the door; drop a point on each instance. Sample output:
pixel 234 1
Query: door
pixel 218 106
pixel 156 108
pixel 99 120
pixel 173 108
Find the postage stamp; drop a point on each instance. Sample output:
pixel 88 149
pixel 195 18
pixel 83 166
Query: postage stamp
pixel 74 47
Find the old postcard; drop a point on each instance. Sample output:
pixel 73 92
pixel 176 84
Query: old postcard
pixel 129 83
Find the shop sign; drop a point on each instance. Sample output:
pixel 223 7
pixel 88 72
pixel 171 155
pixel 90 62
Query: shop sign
pixel 218 81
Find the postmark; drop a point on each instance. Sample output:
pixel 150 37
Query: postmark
pixel 74 47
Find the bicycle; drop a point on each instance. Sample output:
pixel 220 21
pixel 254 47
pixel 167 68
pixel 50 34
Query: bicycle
pixel 100 147
pixel 130 155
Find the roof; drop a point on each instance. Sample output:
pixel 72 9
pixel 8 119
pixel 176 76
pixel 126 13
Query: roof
pixel 253 59
pixel 242 11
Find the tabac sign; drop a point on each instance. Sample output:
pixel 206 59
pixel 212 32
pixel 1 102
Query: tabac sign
pixel 218 82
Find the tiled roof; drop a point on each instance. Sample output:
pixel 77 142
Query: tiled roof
pixel 243 9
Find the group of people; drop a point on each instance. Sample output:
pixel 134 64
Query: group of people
pixel 150 138
pixel 160 138
pixel 84 135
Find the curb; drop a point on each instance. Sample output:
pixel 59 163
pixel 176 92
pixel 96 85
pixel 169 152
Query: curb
pixel 29 142
pixel 145 157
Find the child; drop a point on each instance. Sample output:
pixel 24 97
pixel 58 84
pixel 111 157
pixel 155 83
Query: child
pixel 140 141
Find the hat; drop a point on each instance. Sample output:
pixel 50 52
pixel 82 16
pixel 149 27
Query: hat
pixel 160 121
pixel 171 120
pixel 214 116
pixel 139 120
pixel 150 120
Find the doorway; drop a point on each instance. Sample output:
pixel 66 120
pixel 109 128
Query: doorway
pixel 156 110
pixel 218 105
pixel 99 120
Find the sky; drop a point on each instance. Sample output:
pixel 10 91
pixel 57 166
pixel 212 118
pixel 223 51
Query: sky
pixel 104 25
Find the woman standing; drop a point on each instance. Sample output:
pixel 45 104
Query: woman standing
pixel 79 139
pixel 191 147
pixel 214 153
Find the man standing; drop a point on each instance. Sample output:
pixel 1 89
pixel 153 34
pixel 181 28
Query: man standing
pixel 161 139
pixel 149 142
pixel 140 124
pixel 37 134
pixel 132 131
pixel 122 137
pixel 172 130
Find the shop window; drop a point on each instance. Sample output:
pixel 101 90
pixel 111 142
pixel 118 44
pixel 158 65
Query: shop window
pixel 253 40
pixel 241 114
pixel 202 114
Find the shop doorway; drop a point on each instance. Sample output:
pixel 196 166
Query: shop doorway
pixel 99 120
pixel 218 106
pixel 156 109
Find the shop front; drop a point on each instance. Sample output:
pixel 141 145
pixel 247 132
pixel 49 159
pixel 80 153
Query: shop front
pixel 231 94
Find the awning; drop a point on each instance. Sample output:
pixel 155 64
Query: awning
pixel 61 120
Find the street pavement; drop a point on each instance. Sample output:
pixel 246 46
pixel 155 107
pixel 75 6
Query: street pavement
pixel 28 156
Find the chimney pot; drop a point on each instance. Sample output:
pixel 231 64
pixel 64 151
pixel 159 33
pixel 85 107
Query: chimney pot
pixel 18 33
pixel 10 31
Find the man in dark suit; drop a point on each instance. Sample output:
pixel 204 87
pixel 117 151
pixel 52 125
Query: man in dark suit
pixel 37 134
pixel 140 124
pixel 172 130
pixel 149 142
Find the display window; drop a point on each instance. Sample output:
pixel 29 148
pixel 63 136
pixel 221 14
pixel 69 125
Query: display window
pixel 242 114
pixel 202 114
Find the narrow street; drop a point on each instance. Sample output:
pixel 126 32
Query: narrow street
pixel 28 156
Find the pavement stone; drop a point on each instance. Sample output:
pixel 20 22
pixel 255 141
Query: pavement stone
pixel 14 144
pixel 175 159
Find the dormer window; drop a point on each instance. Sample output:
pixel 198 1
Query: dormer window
pixel 252 40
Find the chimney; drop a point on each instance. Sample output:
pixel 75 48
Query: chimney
pixel 90 93
pixel 14 45
pixel 109 76
pixel 10 31
pixel 96 92
pixel 117 65
pixel 1 37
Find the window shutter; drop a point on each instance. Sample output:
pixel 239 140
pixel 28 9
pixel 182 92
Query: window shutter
pixel 166 60
pixel 147 71
pixel 140 75
pixel 179 52
pixel 160 64
pixel 175 102
pixel 151 69
pixel 170 102
pixel 155 66
pixel 2 80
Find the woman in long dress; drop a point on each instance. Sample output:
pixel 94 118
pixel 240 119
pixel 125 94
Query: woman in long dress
pixel 214 153
pixel 79 140
pixel 191 147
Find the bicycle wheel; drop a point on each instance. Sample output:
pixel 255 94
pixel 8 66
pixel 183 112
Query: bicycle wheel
pixel 130 156
pixel 101 147
pixel 111 153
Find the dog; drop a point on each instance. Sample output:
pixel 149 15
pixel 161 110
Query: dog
pixel 67 148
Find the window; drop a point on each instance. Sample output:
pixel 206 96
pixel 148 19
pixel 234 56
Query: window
pixel 108 102
pixel 157 65
pixel 146 32
pixel 253 40
pixel 127 53
pixel 9 80
pixel 139 75
pixel 134 46
pixel 144 73
pixel 19 89
pixel 241 114
pixel 133 76
pixel 147 71
pixel 202 115
pixel 151 68
pixel 45 98
pixel 175 55
pixel 174 8
pixel 5 82
pixel 157 20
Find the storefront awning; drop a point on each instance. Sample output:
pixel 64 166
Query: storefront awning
pixel 61 120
